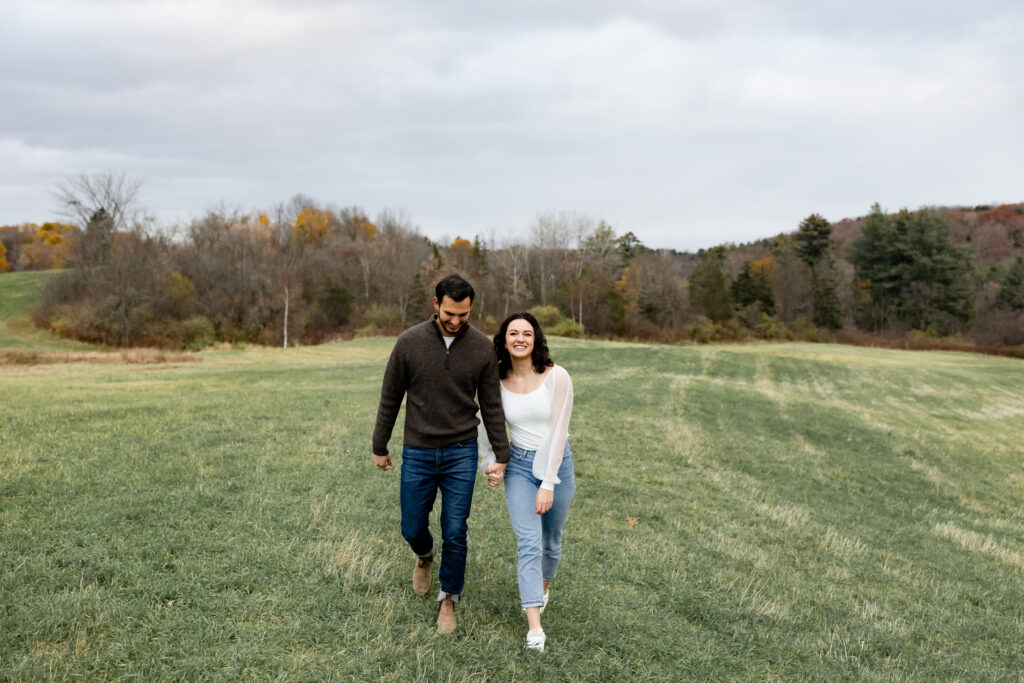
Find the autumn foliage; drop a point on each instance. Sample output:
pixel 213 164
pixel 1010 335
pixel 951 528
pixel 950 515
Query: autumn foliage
pixel 304 273
pixel 35 247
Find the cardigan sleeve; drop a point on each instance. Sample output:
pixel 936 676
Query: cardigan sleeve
pixel 561 411
pixel 485 452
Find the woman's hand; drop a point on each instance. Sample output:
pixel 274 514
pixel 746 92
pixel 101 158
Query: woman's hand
pixel 544 500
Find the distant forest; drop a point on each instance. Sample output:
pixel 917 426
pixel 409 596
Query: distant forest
pixel 303 273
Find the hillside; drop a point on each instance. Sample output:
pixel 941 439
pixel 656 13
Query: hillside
pixel 995 235
pixel 320 275
pixel 19 294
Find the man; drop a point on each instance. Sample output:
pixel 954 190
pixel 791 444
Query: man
pixel 440 366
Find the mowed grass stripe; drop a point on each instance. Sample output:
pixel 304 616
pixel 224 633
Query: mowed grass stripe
pixel 744 512
pixel 873 470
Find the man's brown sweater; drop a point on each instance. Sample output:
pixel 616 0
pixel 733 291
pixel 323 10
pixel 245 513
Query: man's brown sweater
pixel 440 384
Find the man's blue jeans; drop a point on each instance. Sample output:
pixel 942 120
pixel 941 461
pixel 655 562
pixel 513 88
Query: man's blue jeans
pixel 451 469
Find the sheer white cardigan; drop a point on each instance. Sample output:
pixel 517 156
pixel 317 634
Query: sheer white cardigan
pixel 549 455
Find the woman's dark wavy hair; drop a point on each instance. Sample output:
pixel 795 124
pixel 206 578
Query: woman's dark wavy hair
pixel 541 358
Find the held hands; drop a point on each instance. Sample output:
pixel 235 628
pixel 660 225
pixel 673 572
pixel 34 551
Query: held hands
pixel 544 500
pixel 495 473
pixel 382 461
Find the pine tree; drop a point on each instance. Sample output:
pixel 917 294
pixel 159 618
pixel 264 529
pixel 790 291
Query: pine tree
pixel 909 270
pixel 1011 290
pixel 814 247
pixel 751 287
pixel 709 286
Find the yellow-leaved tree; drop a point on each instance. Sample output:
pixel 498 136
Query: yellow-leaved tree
pixel 312 225
pixel 360 228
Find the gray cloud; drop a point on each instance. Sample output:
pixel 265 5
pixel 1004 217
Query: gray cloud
pixel 689 123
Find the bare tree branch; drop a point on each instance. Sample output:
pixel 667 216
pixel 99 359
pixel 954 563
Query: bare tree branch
pixel 81 197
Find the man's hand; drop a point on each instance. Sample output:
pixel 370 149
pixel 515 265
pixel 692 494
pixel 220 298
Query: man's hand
pixel 544 500
pixel 495 473
pixel 382 461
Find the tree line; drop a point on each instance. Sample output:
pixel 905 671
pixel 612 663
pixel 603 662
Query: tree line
pixel 301 272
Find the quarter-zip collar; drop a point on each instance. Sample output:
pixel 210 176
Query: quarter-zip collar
pixel 447 347
pixel 437 329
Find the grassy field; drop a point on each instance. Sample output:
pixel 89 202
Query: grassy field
pixel 18 293
pixel 788 511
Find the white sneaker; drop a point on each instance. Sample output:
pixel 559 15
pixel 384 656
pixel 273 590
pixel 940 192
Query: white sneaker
pixel 545 601
pixel 535 639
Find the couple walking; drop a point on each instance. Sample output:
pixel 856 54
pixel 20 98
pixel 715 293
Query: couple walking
pixel 440 366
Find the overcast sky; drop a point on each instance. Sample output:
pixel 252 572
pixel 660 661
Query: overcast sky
pixel 688 122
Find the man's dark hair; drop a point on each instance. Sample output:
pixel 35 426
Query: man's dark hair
pixel 540 357
pixel 455 288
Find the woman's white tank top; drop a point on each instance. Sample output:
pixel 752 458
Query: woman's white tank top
pixel 528 416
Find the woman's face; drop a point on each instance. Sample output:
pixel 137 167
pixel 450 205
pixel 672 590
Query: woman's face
pixel 519 339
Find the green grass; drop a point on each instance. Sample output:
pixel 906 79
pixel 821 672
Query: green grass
pixel 788 511
pixel 19 293
pixel 802 511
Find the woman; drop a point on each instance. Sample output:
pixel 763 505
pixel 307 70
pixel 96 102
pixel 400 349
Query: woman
pixel 539 479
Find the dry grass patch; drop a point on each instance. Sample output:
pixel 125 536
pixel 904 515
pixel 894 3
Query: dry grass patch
pixel 126 357
pixel 982 543
pixel 363 351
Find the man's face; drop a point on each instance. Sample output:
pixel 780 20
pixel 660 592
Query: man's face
pixel 452 315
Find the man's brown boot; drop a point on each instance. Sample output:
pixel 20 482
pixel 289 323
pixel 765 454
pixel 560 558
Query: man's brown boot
pixel 446 615
pixel 421 575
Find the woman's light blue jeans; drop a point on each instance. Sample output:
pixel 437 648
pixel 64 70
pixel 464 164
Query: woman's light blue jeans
pixel 539 537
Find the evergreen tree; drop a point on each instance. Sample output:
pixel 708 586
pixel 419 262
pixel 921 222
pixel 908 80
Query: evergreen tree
pixel 628 246
pixel 909 269
pixel 751 287
pixel 335 302
pixel 827 311
pixel 814 239
pixel 1011 290
pixel 93 248
pixel 709 286
pixel 814 247
pixel 872 255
